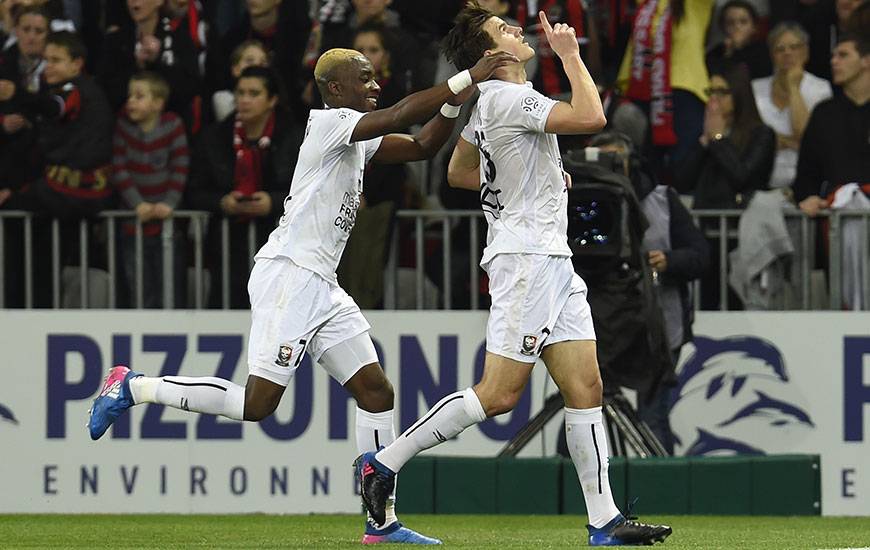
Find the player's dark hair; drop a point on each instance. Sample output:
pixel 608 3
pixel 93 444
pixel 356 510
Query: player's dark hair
pixel 467 40
pixel 69 41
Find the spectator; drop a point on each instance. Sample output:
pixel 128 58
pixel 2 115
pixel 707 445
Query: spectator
pixel 22 61
pixel 75 129
pixel 739 21
pixel 731 160
pixel 249 53
pixel 149 170
pixel 283 28
pixel 678 254
pixel 240 172
pixel 149 42
pixel 786 99
pixel 824 20
pixel 21 67
pixel 835 148
pixel 378 44
pixel 677 106
pixel 74 123
pixel 338 31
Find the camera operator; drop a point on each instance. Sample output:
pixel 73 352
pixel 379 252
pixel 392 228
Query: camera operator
pixel 677 253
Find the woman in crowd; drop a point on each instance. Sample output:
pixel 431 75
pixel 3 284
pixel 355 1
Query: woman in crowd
pixel 786 99
pixel 241 172
pixel 739 21
pixel 732 159
pixel 249 53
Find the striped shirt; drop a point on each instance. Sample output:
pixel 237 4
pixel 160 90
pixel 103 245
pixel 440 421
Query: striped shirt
pixel 150 166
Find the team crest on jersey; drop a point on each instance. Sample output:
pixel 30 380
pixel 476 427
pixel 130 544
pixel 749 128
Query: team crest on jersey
pixel 529 342
pixel 284 353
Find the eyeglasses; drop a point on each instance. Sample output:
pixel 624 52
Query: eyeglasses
pixel 717 91
pixel 796 47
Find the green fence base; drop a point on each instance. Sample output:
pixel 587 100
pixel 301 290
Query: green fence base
pixel 740 485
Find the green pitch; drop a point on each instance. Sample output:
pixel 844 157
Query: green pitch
pixel 259 531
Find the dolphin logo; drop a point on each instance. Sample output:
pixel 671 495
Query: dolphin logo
pixel 742 386
pixel 7 414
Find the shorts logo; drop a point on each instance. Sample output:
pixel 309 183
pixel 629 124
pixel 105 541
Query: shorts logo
pixel 284 352
pixel 529 342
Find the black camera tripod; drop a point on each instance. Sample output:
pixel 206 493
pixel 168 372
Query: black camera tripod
pixel 625 430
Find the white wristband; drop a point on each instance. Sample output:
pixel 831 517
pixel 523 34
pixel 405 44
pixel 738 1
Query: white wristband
pixel 450 111
pixel 459 82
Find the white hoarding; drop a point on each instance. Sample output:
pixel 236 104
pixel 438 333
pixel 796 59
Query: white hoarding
pixel 755 383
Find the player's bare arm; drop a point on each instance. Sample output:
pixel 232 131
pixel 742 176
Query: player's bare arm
pixel 396 148
pixel 419 106
pixel 584 114
pixel 463 172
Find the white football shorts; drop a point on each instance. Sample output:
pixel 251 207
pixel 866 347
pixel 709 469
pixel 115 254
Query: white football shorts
pixel 537 300
pixel 293 311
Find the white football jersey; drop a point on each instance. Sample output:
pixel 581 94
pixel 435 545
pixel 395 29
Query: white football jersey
pixel 522 189
pixel 320 210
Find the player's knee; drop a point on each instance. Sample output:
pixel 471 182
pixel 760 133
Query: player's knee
pixel 377 398
pixel 584 393
pixel 257 410
pixel 501 404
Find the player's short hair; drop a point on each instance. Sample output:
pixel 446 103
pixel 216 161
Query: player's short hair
pixel 332 61
pixel 69 41
pixel 330 64
pixel 239 50
pixel 861 42
pixel 157 85
pixel 467 40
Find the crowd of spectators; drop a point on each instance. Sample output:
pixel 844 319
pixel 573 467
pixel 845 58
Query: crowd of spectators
pixel 153 106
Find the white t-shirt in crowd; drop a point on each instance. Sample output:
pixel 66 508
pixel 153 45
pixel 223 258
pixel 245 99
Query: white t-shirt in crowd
pixel 522 188
pixel 813 91
pixel 320 210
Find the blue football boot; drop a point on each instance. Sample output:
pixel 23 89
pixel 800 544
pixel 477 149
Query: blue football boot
pixel 114 399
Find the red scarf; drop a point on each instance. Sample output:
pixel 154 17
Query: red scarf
pixel 651 70
pixel 249 157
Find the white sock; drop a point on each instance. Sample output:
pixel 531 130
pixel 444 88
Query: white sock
pixel 203 394
pixel 446 420
pixel 587 443
pixel 373 432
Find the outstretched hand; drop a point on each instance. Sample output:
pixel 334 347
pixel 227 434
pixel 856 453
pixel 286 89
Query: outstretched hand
pixel 562 37
pixel 487 65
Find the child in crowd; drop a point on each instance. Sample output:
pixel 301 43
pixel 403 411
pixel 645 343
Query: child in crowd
pixel 150 164
pixel 250 53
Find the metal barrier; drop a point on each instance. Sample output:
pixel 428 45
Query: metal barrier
pixel 717 223
pixel 726 224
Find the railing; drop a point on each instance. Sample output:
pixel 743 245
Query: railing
pixel 425 229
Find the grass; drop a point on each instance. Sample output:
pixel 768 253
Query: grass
pixel 343 531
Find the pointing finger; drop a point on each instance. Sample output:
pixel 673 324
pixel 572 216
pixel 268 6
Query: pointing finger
pixel 545 23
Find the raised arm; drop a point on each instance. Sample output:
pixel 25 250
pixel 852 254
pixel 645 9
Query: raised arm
pixel 419 106
pixel 397 148
pixel 584 114
pixel 463 172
